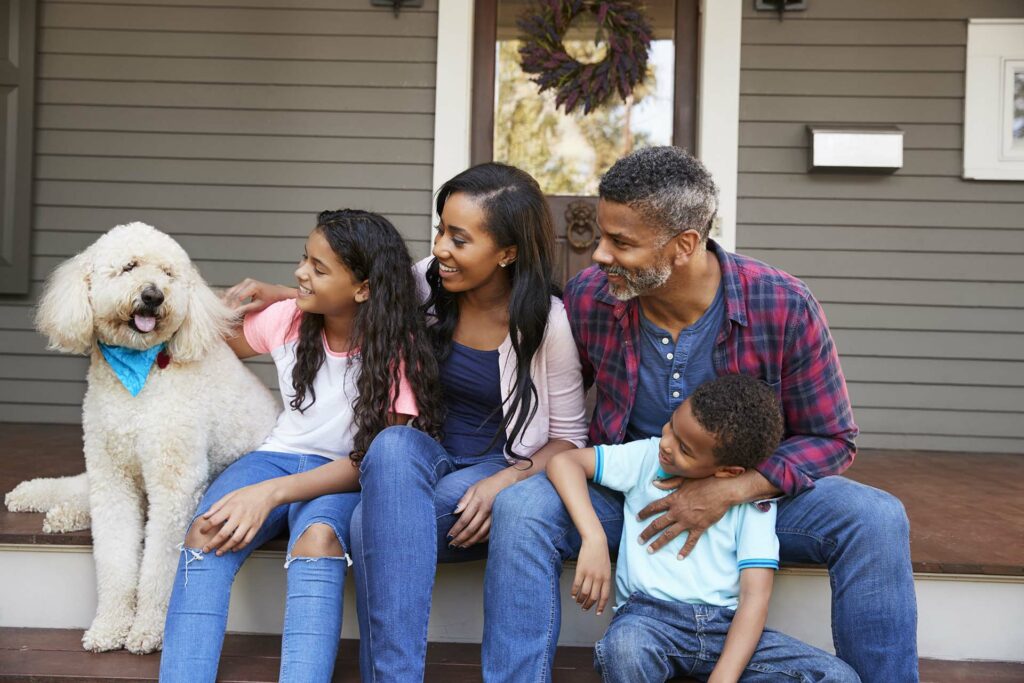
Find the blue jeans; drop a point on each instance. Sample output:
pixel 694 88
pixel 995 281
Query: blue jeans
pixel 410 487
pixel 859 532
pixel 653 640
pixel 198 613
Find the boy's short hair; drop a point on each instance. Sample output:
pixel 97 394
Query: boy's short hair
pixel 743 414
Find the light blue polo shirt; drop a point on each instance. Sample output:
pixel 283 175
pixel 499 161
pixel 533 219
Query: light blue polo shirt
pixel 744 537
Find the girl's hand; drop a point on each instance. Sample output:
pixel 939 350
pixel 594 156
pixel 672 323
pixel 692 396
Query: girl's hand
pixel 249 296
pixel 474 509
pixel 239 514
pixel 592 583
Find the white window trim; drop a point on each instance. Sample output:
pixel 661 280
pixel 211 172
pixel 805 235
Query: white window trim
pixel 995 49
pixel 717 107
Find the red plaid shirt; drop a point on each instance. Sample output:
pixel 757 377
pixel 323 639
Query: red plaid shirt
pixel 774 329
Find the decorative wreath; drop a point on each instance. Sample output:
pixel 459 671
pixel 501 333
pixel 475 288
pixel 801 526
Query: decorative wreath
pixel 628 36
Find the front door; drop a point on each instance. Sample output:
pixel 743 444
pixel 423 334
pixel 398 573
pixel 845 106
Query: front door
pixel 568 153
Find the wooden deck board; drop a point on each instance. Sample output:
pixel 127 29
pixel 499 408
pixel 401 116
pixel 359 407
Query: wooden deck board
pixel 52 655
pixel 966 510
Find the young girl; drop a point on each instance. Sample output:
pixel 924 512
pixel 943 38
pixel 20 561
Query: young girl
pixel 341 349
pixel 510 375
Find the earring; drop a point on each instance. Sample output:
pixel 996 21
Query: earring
pixel 502 264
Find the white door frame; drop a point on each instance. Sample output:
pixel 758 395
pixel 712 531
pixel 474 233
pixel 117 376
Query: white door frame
pixel 718 100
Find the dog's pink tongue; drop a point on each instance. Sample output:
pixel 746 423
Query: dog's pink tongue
pixel 145 323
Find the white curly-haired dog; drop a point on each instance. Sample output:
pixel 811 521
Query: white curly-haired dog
pixel 148 457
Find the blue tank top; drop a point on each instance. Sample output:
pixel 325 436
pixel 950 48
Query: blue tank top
pixel 471 381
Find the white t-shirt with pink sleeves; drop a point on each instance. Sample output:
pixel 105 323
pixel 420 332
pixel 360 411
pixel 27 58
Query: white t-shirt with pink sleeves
pixel 327 427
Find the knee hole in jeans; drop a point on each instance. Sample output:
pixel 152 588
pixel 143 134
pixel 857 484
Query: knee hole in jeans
pixel 195 538
pixel 318 540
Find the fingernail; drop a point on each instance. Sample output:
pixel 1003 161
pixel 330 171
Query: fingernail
pixel 650 549
pixel 638 518
pixel 450 537
pixel 640 540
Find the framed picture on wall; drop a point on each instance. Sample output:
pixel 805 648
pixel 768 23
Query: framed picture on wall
pixel 994 100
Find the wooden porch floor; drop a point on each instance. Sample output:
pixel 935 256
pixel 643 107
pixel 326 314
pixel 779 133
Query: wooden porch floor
pixel 52 656
pixel 966 510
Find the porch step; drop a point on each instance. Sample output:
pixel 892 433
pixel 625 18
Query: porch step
pixel 967 527
pixel 49 655
pixel 37 655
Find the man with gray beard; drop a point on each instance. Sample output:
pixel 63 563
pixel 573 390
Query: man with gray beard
pixel 664 309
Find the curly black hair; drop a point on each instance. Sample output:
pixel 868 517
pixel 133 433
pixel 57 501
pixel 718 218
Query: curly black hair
pixel 388 330
pixel 743 414
pixel 667 186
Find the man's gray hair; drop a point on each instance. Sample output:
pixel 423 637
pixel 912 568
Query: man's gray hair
pixel 667 186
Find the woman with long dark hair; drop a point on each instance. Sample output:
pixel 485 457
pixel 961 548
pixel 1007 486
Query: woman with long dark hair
pixel 352 358
pixel 510 377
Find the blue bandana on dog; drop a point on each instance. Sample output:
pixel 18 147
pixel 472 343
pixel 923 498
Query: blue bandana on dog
pixel 131 365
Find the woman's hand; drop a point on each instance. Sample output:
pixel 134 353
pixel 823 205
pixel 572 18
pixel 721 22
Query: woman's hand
pixel 593 580
pixel 239 514
pixel 249 296
pixel 474 509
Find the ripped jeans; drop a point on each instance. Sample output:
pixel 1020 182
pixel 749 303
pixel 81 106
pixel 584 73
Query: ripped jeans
pixel 198 613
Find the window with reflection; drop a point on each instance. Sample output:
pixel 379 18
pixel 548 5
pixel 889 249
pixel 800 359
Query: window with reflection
pixel 568 153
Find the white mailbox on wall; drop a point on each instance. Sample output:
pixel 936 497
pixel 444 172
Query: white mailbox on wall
pixel 851 149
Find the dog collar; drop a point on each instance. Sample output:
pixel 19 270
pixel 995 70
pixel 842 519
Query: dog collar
pixel 132 366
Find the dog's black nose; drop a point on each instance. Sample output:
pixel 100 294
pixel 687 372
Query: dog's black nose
pixel 152 297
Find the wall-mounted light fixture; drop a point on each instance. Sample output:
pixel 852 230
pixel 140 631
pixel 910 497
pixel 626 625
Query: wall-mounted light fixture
pixel 780 5
pixel 396 5
pixel 866 149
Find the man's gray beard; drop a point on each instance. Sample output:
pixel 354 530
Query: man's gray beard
pixel 638 282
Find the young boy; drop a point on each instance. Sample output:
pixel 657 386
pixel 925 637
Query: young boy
pixel 703 617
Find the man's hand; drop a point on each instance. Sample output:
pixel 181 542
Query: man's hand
pixel 694 506
pixel 593 580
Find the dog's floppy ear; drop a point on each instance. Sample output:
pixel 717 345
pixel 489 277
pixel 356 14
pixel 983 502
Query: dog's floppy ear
pixel 207 321
pixel 64 313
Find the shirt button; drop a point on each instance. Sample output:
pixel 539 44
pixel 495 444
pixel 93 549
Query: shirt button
pixel 675 394
pixel 668 355
pixel 675 375
pixel 665 340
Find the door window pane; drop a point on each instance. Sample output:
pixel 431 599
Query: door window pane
pixel 567 154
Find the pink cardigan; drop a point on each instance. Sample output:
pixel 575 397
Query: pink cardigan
pixel 555 371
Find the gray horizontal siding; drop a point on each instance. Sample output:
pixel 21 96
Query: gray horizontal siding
pixel 228 124
pixel 920 273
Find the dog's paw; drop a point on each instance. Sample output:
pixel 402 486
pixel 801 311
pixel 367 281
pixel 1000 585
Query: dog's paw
pixel 28 496
pixel 105 635
pixel 146 635
pixel 64 518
